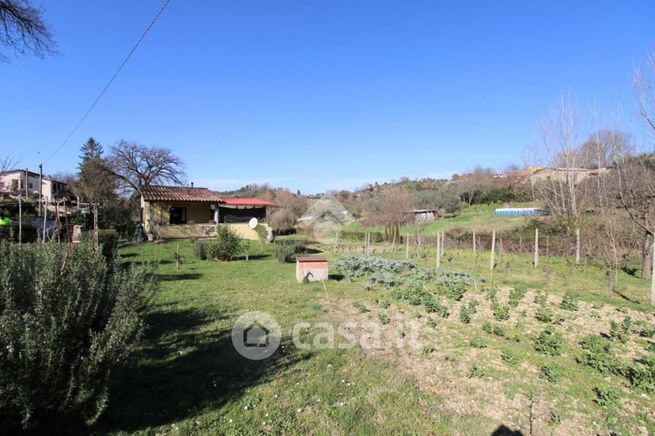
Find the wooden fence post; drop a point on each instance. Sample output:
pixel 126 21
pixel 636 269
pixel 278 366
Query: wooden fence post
pixel 20 220
pixel 492 258
pixel 652 278
pixel 443 242
pixel 407 246
pixel 438 262
pixel 536 248
pixel 474 244
pixel 577 246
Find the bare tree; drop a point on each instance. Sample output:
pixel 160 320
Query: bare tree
pixel 7 163
pixel 477 181
pixel 557 150
pixel 22 28
pixel 136 165
pixel 391 209
pixel 290 207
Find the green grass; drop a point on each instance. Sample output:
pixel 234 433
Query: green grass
pixel 187 378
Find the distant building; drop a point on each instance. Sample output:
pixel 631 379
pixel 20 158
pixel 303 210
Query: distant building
pixel 425 215
pixel 26 182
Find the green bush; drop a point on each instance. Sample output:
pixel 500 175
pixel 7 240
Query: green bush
pixel 493 329
pixel 286 250
pixel 569 302
pixel 549 342
pixel 68 319
pixel 515 296
pixel 478 342
pixel 509 357
pixel 620 331
pixel 29 232
pixel 108 243
pixel 606 397
pixel 200 249
pixel 544 315
pixel 550 372
pixel 226 246
pixel 501 311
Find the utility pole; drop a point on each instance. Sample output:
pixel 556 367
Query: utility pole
pixel 536 248
pixel 492 257
pixel 27 177
pixel 41 187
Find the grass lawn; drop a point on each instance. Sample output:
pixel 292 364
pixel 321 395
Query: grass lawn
pixel 186 376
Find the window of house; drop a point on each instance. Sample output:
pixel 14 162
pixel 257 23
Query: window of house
pixel 177 215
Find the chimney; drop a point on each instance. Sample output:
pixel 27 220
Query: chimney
pixel 192 184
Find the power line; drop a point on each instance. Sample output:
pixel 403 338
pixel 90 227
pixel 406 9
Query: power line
pixel 111 80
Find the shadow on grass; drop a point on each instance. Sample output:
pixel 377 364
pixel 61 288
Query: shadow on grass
pixel 256 256
pixel 181 370
pixel 179 277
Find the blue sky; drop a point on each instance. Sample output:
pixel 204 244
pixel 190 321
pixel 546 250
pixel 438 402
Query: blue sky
pixel 318 95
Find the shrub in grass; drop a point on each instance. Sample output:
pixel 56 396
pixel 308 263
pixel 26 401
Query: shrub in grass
pixel 493 329
pixel 549 342
pixel 427 350
pixel 501 311
pixel 606 397
pixel 569 302
pixel 554 418
pixel 384 304
pixel 108 242
pixel 509 357
pixel 620 332
pixel 384 318
pixel 641 373
pixel 544 315
pixel 431 322
pixel 515 296
pixel 359 306
pixel 433 305
pixel 478 342
pixel 286 250
pixel 643 329
pixel 599 355
pixel 226 246
pixel 466 313
pixel 550 372
pixel 541 299
pixel 200 249
pixel 69 318
pixel 476 371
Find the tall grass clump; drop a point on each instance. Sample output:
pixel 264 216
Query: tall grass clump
pixel 68 317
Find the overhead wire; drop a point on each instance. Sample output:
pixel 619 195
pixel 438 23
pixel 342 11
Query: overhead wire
pixel 111 80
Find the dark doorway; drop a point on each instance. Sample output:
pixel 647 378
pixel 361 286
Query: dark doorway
pixel 177 215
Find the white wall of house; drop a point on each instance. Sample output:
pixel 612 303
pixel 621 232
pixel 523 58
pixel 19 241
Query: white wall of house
pixel 14 181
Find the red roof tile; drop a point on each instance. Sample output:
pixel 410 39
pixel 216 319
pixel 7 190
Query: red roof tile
pixel 179 193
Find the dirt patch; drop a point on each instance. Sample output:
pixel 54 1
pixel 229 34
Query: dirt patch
pixel 443 362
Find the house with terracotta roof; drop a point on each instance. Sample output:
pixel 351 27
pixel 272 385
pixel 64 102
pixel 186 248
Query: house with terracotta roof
pixel 172 212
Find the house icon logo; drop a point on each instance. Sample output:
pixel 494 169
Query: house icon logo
pixel 256 335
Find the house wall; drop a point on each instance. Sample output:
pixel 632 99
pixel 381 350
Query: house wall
pixel 155 219
pixel 15 182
